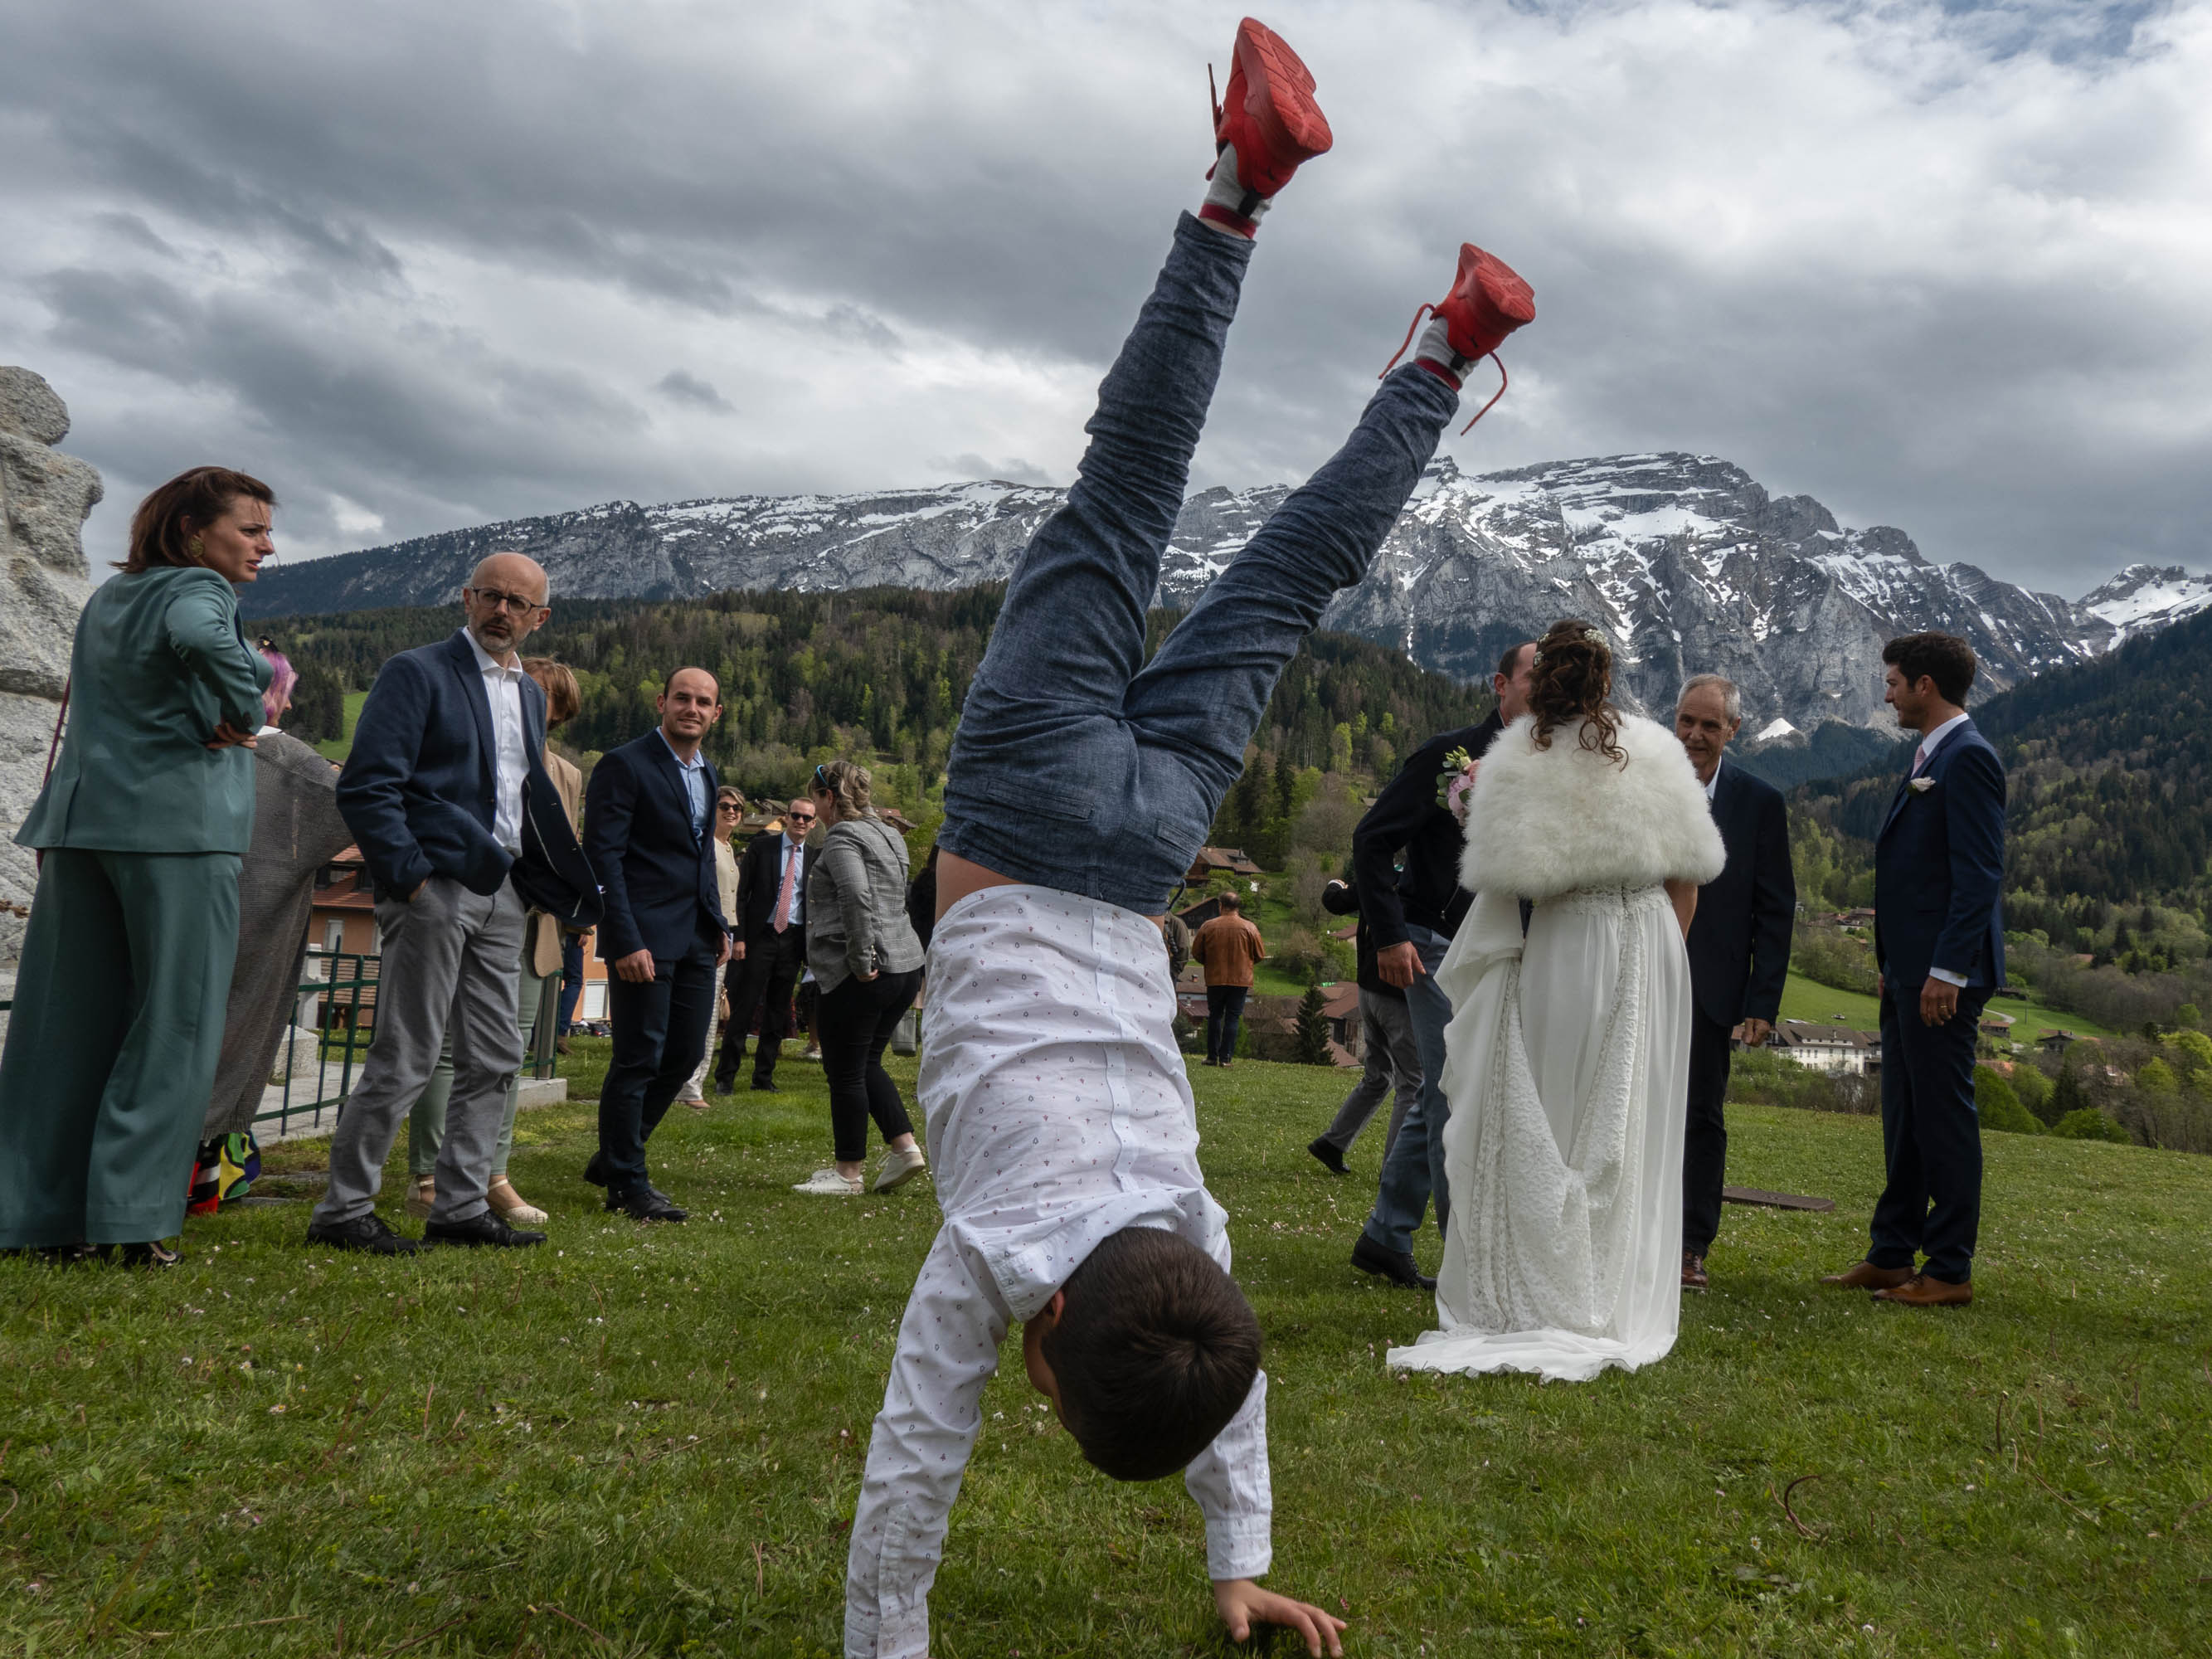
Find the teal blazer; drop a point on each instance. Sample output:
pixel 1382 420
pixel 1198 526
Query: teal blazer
pixel 159 663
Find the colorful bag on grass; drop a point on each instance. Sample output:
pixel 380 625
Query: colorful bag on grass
pixel 223 1172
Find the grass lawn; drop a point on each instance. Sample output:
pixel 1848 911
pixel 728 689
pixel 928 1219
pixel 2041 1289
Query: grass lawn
pixel 637 1442
pixel 1808 999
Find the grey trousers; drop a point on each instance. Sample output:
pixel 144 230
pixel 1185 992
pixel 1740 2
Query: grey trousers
pixel 1413 1168
pixel 450 958
pixel 1393 1059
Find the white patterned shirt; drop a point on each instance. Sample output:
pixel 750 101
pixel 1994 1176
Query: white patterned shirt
pixel 1058 1112
pixel 510 758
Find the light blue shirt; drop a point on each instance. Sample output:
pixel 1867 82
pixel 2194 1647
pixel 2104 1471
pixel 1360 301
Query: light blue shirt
pixel 694 782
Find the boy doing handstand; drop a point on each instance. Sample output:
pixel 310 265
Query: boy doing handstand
pixel 1080 786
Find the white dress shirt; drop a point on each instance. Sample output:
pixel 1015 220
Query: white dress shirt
pixel 1929 743
pixel 1058 1112
pixel 1714 781
pixel 694 773
pixel 510 758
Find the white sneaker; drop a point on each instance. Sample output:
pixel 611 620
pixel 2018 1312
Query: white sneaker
pixel 899 1168
pixel 828 1183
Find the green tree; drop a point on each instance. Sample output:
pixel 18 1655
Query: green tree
pixel 2068 1097
pixel 1312 1029
pixel 2090 1124
pixel 1998 1107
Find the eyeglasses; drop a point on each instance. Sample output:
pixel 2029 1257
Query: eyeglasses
pixel 728 806
pixel 518 603
pixel 801 817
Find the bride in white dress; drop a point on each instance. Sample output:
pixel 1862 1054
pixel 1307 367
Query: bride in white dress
pixel 1567 1062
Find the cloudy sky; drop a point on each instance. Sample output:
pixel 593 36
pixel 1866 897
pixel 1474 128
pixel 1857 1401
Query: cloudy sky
pixel 1942 264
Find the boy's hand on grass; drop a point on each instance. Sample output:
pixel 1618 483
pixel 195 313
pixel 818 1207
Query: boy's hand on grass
pixel 1243 1604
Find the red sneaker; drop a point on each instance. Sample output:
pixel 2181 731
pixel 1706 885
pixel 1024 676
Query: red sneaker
pixel 1488 302
pixel 1269 115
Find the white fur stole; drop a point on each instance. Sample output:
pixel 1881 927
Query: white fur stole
pixel 1542 822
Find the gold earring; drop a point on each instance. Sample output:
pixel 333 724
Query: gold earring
pixel 197 549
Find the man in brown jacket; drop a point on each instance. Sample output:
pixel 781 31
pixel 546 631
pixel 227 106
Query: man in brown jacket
pixel 1227 946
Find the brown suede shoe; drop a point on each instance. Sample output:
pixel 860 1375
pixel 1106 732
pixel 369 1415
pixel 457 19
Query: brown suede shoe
pixel 1693 1272
pixel 1922 1291
pixel 1865 1276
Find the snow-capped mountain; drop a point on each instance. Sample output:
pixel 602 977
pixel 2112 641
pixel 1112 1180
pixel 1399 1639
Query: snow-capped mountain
pixel 1684 559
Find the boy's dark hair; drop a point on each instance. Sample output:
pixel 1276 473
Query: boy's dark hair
pixel 1154 1351
pixel 1943 657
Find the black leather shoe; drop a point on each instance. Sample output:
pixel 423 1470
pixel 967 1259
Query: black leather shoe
pixel 486 1228
pixel 645 1204
pixel 596 1170
pixel 1396 1266
pixel 364 1232
pixel 1329 1156
pixel 765 1088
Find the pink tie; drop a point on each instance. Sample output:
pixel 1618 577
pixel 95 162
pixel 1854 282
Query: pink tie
pixel 1919 759
pixel 783 893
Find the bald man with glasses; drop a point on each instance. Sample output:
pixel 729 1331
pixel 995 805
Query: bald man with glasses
pixel 771 950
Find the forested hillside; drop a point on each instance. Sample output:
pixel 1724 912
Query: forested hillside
pixel 879 672
pixel 2110 770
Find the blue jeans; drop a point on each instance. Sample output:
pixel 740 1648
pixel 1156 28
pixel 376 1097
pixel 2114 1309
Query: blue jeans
pixel 572 980
pixel 1225 1018
pixel 1413 1168
pixel 1078 765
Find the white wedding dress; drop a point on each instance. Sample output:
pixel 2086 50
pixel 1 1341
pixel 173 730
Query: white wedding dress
pixel 1567 1061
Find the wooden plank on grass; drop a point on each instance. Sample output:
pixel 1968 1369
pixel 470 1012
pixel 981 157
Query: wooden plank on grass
pixel 1775 1200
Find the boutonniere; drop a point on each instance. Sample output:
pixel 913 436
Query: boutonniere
pixel 1920 785
pixel 1453 783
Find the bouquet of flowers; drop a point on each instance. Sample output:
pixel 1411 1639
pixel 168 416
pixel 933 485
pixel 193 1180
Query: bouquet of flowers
pixel 1454 782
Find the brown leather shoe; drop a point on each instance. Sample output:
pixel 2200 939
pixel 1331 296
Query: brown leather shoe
pixel 1922 1291
pixel 1865 1276
pixel 1693 1272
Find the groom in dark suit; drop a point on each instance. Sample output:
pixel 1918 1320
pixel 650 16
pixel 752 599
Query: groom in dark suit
pixel 1739 947
pixel 648 816
pixel 1939 942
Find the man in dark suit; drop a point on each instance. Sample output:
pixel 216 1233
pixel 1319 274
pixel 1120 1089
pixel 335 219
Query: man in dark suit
pixel 1739 947
pixel 648 818
pixel 1939 943
pixel 771 947
pixel 1412 912
pixel 463 832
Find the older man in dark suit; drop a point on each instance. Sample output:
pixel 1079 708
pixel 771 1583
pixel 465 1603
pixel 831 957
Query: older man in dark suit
pixel 462 830
pixel 1939 942
pixel 648 822
pixel 1739 947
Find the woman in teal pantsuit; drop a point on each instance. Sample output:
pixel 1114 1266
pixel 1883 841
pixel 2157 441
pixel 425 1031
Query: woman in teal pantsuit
pixel 119 998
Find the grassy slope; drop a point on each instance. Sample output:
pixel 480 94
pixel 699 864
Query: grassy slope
pixel 660 1433
pixel 337 749
pixel 1805 999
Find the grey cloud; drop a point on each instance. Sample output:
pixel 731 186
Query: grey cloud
pixel 329 190
pixel 680 387
pixel 1012 469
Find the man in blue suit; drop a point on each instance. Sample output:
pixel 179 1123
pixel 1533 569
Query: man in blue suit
pixel 648 829
pixel 1939 942
pixel 447 793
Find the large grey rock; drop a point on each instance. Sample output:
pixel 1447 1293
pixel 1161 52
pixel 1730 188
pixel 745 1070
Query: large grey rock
pixel 43 583
pixel 31 407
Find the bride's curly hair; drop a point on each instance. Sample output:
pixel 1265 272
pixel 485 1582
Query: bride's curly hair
pixel 1572 679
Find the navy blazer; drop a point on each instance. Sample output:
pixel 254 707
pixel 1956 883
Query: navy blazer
pixel 1939 870
pixel 418 788
pixel 659 876
pixel 1739 941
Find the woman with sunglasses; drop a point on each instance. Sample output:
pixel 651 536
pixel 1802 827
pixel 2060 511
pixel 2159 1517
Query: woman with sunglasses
pixel 729 816
pixel 868 961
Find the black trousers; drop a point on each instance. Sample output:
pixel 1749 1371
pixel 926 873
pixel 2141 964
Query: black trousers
pixel 1224 1014
pixel 762 981
pixel 1931 1138
pixel 857 1018
pixel 1704 1135
pixel 660 1029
